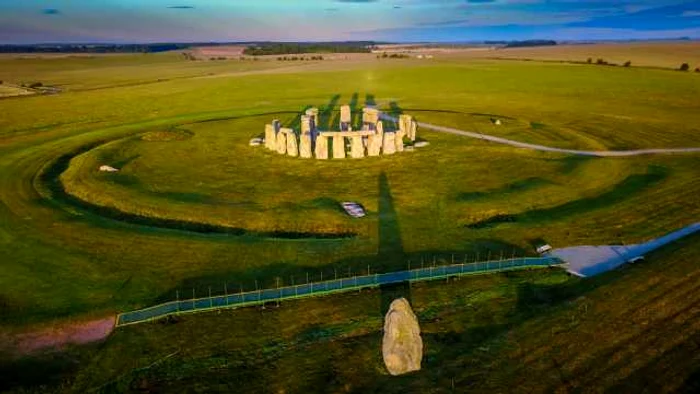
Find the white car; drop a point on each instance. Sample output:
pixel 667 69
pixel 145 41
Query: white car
pixel 353 209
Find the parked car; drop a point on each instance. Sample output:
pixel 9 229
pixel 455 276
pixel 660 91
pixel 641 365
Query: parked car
pixel 353 209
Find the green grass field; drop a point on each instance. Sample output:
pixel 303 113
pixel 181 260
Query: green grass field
pixel 77 243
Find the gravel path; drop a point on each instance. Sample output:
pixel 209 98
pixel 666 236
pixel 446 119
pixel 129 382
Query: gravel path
pixel 525 145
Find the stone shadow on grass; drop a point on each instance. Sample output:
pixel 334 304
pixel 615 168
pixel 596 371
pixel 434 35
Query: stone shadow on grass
pixel 327 114
pixel 390 247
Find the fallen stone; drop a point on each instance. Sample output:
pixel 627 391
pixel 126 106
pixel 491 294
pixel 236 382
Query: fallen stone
pixel 421 144
pixel 256 142
pixel 108 169
pixel 402 346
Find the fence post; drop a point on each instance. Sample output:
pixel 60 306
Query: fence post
pixel 211 302
pixel 177 298
pixel 226 292
pixel 193 297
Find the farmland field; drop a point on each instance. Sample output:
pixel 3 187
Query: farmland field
pixel 194 207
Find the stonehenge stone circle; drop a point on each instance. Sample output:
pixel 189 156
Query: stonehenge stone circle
pixel 369 141
pixel 402 345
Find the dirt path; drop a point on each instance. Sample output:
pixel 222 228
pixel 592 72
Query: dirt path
pixel 57 336
pixel 525 145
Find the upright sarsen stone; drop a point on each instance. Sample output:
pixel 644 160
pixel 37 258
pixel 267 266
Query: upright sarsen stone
pixel 389 146
pixel 321 148
pixel 412 130
pixel 357 149
pixel 281 143
pixel 345 118
pixel 375 141
pixel 305 146
pixel 270 137
pixel 292 146
pixel 338 147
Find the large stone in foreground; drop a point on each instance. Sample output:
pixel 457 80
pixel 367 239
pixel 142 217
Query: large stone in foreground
pixel 402 346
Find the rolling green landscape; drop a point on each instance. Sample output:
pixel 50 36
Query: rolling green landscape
pixel 195 209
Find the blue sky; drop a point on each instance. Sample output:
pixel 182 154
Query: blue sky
pixel 33 21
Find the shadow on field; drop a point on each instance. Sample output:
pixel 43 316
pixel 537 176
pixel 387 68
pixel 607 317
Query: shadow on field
pixel 326 114
pixel 628 187
pixel 356 117
pixel 370 100
pixel 390 247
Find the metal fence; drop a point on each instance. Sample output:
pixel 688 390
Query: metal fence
pixel 314 289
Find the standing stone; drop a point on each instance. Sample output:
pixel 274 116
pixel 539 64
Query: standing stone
pixel 402 346
pixel 412 130
pixel 389 147
pixel 345 118
pixel 270 137
pixel 357 150
pixel 306 122
pixel 404 122
pixel 321 148
pixel 305 146
pixel 398 140
pixel 276 125
pixel 374 144
pixel 313 114
pixel 338 147
pixel 370 118
pixel 281 143
pixel 292 146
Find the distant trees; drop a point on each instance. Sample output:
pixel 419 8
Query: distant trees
pixel 393 56
pixel 697 70
pixel 628 63
pixel 188 56
pixel 601 62
pixel 590 60
pixel 310 47
pixel 684 67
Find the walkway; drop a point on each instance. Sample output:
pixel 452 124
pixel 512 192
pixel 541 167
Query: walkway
pixel 261 297
pixel 587 261
pixel 525 145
